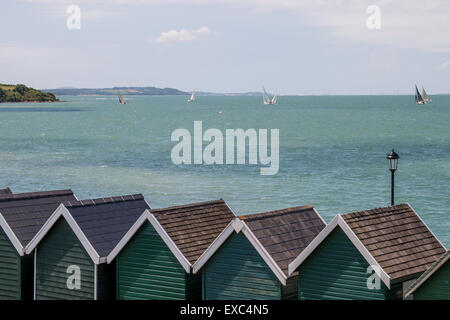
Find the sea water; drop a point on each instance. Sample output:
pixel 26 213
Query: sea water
pixel 332 152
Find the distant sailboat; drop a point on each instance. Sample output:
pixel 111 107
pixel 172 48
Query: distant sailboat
pixel 192 98
pixel 418 99
pixel 425 97
pixel 267 99
pixel 121 98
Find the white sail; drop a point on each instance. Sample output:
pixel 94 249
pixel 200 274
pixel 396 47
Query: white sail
pixel 267 99
pixel 122 99
pixel 418 99
pixel 274 99
pixel 192 98
pixel 425 96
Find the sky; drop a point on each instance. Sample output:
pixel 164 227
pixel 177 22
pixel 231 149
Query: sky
pixel 297 47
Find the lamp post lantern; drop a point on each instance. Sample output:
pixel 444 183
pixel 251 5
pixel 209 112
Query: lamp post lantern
pixel 393 161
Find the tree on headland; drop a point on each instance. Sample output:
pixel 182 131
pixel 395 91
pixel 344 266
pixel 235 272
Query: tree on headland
pixel 2 95
pixel 22 93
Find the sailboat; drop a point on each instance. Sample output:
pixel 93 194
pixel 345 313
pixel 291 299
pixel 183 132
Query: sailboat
pixel 122 99
pixel 425 97
pixel 418 99
pixel 192 98
pixel 267 99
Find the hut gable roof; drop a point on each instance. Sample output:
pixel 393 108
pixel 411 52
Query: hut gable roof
pixel 99 224
pixel 5 191
pixel 278 236
pixel 194 227
pixel 427 274
pixel 105 221
pixel 285 233
pixel 397 238
pixel 22 215
pixel 393 238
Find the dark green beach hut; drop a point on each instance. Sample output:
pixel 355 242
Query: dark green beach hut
pixel 22 215
pixel 71 249
pixel 372 254
pixel 249 260
pixel 154 259
pixel 433 284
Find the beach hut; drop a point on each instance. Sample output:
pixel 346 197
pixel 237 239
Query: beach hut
pixel 71 249
pixel 21 217
pixel 5 191
pixel 433 284
pixel 372 254
pixel 154 259
pixel 249 260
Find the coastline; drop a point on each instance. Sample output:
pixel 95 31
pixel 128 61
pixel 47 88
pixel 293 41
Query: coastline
pixel 33 101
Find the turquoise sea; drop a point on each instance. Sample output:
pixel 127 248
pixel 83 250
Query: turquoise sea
pixel 332 152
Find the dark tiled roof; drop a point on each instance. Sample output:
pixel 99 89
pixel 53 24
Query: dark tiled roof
pixel 397 238
pixel 5 191
pixel 194 227
pixel 285 233
pixel 26 213
pixel 105 221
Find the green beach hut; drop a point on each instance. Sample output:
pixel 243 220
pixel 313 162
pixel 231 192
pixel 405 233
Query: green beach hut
pixel 433 284
pixel 372 254
pixel 22 215
pixel 249 260
pixel 154 259
pixel 70 250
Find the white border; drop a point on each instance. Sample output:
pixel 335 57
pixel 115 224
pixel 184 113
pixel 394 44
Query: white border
pixel 237 225
pixel 339 221
pixel 11 235
pixel 62 211
pixel 148 216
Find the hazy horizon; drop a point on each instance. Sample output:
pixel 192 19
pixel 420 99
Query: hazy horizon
pixel 295 47
pixel 245 92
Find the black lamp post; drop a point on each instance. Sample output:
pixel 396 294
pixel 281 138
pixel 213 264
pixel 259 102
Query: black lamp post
pixel 393 160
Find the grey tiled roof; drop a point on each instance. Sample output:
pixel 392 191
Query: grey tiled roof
pixel 397 238
pixel 26 213
pixel 105 221
pixel 193 227
pixel 285 233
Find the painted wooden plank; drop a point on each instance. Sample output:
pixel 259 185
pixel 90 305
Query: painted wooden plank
pixel 237 272
pixel 437 287
pixel 336 270
pixel 147 269
pixel 57 251
pixel 10 270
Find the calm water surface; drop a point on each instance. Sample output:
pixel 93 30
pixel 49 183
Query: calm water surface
pixel 332 152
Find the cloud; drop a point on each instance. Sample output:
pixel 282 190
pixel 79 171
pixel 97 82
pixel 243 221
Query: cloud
pixel 445 64
pixel 183 35
pixel 410 24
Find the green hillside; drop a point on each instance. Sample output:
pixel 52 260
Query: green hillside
pixel 22 93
